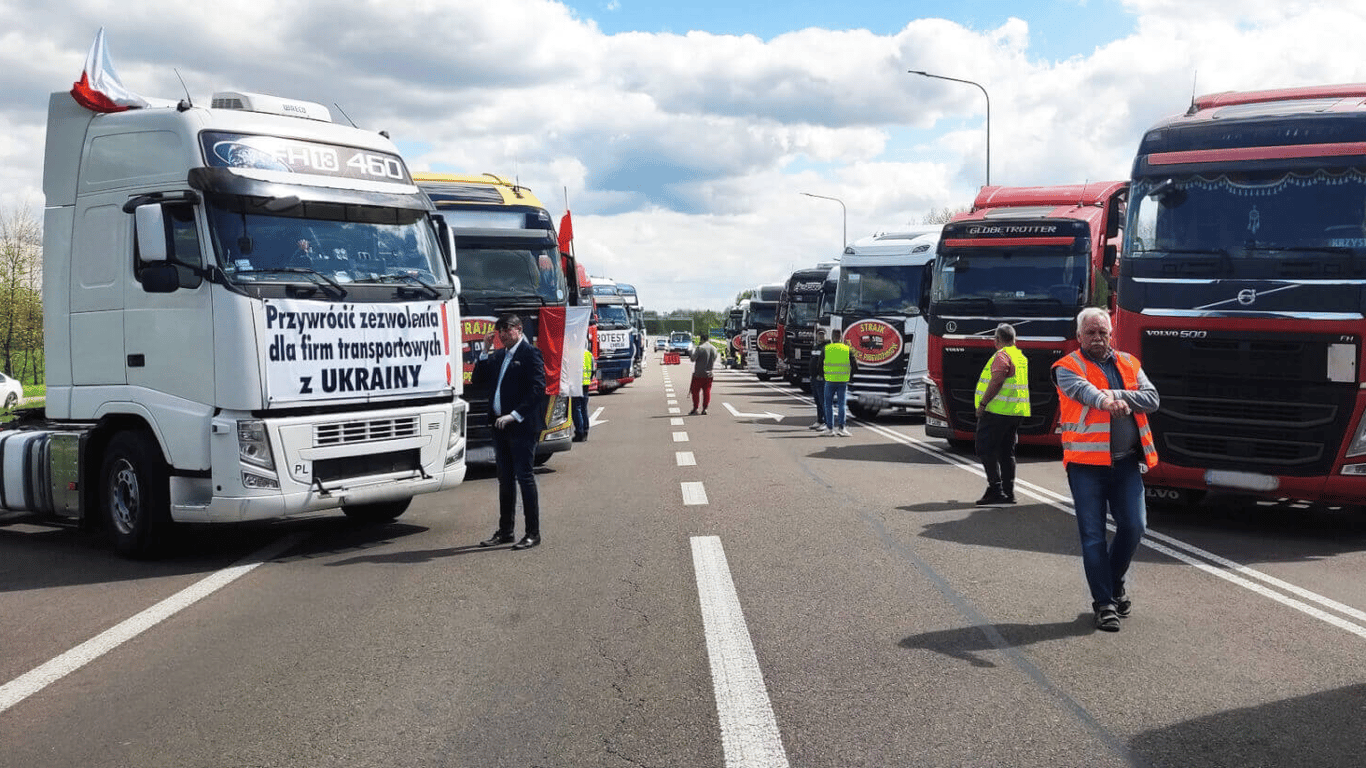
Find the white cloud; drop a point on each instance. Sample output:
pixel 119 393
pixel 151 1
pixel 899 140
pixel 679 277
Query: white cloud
pixel 683 155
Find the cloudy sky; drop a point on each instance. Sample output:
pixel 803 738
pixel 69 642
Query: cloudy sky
pixel 683 133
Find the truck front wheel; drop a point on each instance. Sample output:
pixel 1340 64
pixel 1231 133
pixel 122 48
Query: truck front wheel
pixel 378 512
pixel 135 495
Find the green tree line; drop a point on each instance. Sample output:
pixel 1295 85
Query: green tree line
pixel 21 297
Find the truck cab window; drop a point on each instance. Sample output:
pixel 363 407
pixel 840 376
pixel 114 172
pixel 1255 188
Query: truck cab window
pixel 182 242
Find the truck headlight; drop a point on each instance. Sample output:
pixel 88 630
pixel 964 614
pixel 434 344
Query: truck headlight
pixel 1358 446
pixel 253 444
pixel 559 412
pixel 934 403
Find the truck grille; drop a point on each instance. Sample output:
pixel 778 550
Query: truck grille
pixel 963 369
pixel 364 431
pixel 1250 402
pixel 882 380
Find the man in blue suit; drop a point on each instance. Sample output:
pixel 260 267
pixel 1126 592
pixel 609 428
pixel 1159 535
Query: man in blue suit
pixel 515 375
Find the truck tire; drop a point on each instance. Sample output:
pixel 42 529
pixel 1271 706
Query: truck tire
pixel 134 495
pixel 377 512
pixel 541 459
pixel 764 376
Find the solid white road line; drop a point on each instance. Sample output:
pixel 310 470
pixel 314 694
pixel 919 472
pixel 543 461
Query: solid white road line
pixel 749 731
pixel 694 494
pixel 680 437
pixel 1223 568
pixel 685 459
pixel 37 679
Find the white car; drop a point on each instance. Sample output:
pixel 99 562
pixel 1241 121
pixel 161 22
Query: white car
pixel 11 392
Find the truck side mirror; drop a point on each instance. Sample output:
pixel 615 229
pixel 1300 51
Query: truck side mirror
pixel 150 221
pixel 160 277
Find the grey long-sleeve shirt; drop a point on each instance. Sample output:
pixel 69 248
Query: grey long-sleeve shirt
pixel 1123 429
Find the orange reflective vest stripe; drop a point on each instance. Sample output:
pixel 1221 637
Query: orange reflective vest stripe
pixel 1086 430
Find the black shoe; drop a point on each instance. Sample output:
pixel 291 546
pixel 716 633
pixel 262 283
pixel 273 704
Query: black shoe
pixel 1010 499
pixel 498 538
pixel 1107 618
pixel 704 411
pixel 527 542
pixel 992 497
pixel 1123 606
pixel 693 412
pixel 576 439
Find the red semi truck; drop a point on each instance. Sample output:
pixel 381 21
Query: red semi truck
pixel 1241 290
pixel 1029 256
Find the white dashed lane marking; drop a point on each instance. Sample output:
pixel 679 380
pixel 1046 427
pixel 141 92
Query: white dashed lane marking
pixel 685 459
pixel 749 731
pixel 680 437
pixel 694 494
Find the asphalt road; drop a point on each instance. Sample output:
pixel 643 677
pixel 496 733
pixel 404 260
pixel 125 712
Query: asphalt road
pixel 721 590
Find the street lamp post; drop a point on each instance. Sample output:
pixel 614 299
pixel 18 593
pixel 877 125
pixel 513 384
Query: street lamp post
pixel 846 216
pixel 984 93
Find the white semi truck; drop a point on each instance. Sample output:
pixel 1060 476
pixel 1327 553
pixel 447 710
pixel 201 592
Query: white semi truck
pixel 250 312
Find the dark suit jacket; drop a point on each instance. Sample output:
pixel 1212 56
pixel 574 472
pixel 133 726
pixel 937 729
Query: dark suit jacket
pixel 523 387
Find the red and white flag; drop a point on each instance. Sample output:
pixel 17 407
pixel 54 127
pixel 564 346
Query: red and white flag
pixel 562 338
pixel 99 89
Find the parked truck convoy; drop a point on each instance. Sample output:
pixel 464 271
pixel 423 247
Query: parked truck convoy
pixel 881 290
pixel 509 262
pixel 636 314
pixel 735 335
pixel 761 331
pixel 1028 256
pixel 1241 291
pixel 797 312
pixel 249 313
pixel 617 341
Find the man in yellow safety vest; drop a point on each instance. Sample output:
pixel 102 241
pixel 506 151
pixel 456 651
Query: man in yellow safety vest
pixel 1002 401
pixel 840 365
pixel 579 404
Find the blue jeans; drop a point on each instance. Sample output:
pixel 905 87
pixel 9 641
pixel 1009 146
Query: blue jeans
pixel 1117 489
pixel 835 391
pixel 579 405
pixel 818 394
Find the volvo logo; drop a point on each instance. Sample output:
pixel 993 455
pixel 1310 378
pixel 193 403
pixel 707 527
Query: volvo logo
pixel 951 327
pixel 1247 296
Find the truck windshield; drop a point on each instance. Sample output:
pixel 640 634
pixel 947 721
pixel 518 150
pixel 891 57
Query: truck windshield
pixel 343 243
pixel 1250 216
pixel 801 313
pixel 489 270
pixel 613 316
pixel 763 315
pixel 879 290
pixel 1050 276
pixel 1277 242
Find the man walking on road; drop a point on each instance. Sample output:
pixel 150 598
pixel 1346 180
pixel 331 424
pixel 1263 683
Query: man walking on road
pixel 517 412
pixel 1104 402
pixel 703 360
pixel 1002 403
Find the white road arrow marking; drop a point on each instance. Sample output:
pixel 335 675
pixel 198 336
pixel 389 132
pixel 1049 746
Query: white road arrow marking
pixel 594 420
pixel 764 415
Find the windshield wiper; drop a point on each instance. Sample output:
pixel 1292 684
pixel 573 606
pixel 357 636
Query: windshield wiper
pixel 985 301
pixel 337 291
pixel 524 297
pixel 405 277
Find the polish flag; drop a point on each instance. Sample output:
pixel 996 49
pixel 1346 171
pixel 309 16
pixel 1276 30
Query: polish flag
pixel 561 338
pixel 566 234
pixel 99 89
